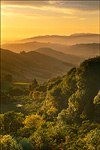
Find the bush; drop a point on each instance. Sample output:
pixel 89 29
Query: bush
pixel 9 143
pixel 93 139
pixel 26 144
pixel 12 122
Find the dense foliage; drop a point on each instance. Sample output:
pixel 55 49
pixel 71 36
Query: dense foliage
pixel 62 113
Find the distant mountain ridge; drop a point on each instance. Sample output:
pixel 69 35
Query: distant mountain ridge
pixel 64 36
pixel 76 38
pixel 25 67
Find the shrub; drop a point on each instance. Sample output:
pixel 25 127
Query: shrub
pixel 26 144
pixel 9 143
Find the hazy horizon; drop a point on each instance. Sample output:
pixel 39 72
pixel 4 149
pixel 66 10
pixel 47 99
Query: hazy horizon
pixel 21 20
pixel 22 39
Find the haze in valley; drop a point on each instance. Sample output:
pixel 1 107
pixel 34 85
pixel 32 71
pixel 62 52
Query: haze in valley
pixel 47 38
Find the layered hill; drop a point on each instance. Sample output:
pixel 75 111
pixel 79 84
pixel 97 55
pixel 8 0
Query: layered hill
pixel 31 46
pixel 83 50
pixel 24 67
pixel 76 38
pixel 69 58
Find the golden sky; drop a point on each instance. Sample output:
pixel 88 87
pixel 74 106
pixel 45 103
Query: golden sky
pixel 25 19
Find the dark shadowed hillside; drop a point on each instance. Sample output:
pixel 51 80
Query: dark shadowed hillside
pixel 25 67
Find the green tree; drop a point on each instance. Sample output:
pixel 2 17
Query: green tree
pixel 97 107
pixel 7 142
pixel 93 139
pixel 33 85
pixel 32 121
pixel 12 122
pixel 1 123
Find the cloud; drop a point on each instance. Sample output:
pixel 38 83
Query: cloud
pixel 49 9
pixel 80 5
pixel 35 11
pixel 77 5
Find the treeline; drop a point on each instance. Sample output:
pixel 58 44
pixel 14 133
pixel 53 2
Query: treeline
pixel 62 113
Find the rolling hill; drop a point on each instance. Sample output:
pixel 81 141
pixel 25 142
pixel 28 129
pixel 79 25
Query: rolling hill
pixel 84 50
pixel 81 50
pixel 31 46
pixel 25 67
pixel 61 56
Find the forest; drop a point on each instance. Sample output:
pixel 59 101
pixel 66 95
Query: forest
pixel 63 113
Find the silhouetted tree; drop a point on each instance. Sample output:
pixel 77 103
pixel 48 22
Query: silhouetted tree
pixel 33 85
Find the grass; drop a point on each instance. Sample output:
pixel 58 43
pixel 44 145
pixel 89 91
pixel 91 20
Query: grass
pixel 21 85
pixel 6 85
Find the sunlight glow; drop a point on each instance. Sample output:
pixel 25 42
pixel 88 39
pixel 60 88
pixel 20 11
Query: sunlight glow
pixel 22 21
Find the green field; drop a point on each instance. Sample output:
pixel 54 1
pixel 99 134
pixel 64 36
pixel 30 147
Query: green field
pixel 19 84
pixel 6 85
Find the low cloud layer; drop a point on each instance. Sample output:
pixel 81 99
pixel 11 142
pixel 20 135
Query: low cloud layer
pixel 78 5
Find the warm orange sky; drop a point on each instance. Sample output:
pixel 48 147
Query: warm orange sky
pixel 20 19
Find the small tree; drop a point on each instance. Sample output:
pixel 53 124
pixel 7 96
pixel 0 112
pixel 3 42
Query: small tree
pixel 33 85
pixel 22 52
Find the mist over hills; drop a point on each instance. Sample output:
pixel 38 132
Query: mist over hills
pixel 47 56
pixel 26 67
pixel 84 50
pixel 81 50
pixel 31 46
pixel 69 58
pixel 67 40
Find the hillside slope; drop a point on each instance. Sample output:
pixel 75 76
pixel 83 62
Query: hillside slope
pixel 26 67
pixel 31 46
pixel 61 56
pixel 83 50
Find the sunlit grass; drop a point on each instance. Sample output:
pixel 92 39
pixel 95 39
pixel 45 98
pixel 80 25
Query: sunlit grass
pixel 6 85
pixel 18 83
